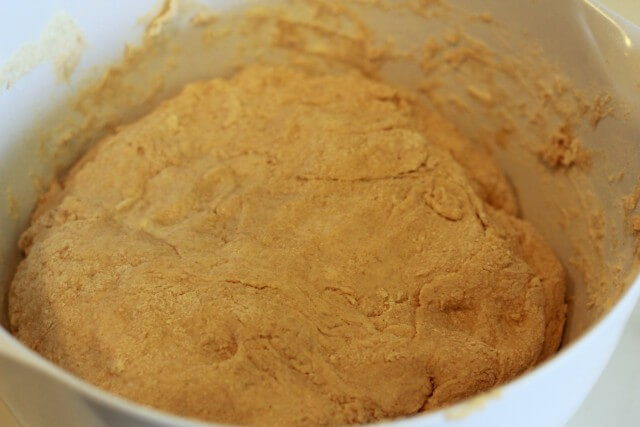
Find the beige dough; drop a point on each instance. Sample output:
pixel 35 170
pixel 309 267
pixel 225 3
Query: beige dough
pixel 280 248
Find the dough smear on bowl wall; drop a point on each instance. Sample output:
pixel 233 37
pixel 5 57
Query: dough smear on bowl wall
pixel 307 212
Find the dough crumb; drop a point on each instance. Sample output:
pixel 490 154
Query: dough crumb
pixel 563 150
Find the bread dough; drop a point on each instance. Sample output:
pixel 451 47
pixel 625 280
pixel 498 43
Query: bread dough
pixel 284 248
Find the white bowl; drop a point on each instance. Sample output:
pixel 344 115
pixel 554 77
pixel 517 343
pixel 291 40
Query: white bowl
pixel 588 43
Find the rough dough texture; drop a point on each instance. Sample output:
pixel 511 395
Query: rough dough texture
pixel 280 248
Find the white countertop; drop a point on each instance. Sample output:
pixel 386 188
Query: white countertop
pixel 615 399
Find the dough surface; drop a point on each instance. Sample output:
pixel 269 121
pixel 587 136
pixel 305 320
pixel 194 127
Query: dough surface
pixel 280 248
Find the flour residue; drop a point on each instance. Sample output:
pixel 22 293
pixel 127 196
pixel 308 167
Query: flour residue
pixel 13 209
pixel 61 44
pixel 472 405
